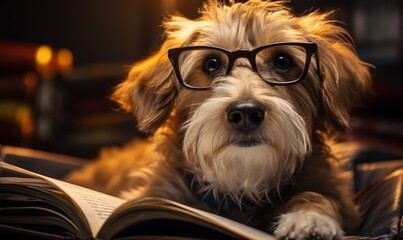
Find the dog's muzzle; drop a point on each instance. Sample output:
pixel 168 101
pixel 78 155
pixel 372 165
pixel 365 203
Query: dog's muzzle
pixel 245 115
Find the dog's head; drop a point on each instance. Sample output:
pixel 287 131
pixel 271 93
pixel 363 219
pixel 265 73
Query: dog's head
pixel 248 85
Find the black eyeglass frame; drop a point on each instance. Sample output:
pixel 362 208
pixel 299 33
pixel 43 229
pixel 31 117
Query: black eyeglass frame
pixel 310 48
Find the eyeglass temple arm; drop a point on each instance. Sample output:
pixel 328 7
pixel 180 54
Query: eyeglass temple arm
pixel 319 72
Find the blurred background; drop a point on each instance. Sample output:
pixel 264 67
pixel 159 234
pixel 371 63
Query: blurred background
pixel 60 60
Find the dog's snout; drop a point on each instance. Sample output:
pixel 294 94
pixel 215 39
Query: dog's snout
pixel 246 114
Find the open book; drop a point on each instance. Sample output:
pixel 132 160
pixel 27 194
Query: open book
pixel 38 206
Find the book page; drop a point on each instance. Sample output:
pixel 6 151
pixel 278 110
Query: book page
pixel 95 206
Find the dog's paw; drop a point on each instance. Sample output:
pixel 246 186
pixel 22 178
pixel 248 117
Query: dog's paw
pixel 307 225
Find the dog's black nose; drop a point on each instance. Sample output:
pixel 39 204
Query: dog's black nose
pixel 245 114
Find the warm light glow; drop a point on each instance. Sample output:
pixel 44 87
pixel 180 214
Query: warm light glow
pixel 22 114
pixel 43 55
pixel 30 80
pixel 64 58
pixel 27 128
pixel 24 117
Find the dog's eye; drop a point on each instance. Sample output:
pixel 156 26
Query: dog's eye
pixel 282 62
pixel 211 64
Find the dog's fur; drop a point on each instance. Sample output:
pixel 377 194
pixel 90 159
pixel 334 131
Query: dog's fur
pixel 290 185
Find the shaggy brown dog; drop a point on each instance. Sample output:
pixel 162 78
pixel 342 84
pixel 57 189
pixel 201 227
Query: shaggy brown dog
pixel 239 103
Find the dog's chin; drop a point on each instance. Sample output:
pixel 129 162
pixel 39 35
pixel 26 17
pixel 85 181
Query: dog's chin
pixel 243 169
pixel 247 142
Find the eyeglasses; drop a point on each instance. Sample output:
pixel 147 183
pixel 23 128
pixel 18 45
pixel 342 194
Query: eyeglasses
pixel 201 67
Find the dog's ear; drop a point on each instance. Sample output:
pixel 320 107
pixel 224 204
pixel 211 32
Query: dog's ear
pixel 148 92
pixel 150 89
pixel 346 79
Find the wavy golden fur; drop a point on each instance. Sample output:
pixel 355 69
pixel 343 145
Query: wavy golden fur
pixel 290 183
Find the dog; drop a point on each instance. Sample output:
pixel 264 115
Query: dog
pixel 240 105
